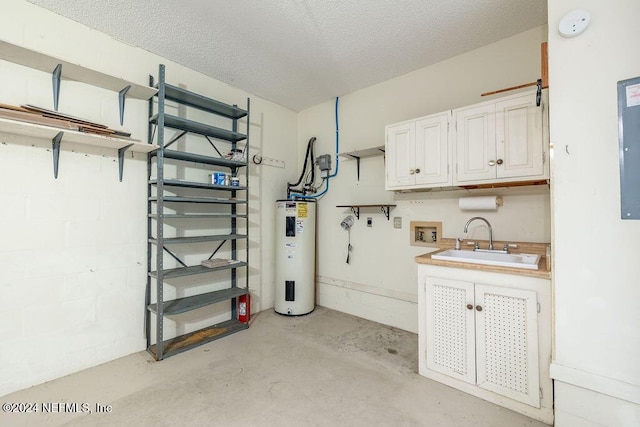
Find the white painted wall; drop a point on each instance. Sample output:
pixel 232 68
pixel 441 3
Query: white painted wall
pixel 380 283
pixel 596 257
pixel 73 253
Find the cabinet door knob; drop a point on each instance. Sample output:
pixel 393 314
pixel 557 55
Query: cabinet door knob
pixel 500 161
pixel 479 307
pixel 417 170
pixel 492 163
pixel 411 171
pixel 469 306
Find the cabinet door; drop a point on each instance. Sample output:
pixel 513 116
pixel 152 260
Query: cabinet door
pixel 475 143
pixel 519 139
pixel 400 155
pixel 507 342
pixel 450 343
pixel 432 151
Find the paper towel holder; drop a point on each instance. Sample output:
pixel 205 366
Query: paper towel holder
pixel 480 203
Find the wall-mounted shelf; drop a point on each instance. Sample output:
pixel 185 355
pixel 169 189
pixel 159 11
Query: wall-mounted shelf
pixel 363 154
pixel 356 209
pixel 61 69
pixel 57 135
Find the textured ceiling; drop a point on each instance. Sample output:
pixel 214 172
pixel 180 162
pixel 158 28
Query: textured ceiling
pixel 299 53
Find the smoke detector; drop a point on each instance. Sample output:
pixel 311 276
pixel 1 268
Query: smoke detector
pixel 574 23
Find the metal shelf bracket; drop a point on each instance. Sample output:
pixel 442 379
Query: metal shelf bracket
pixel 56 152
pixel 55 79
pixel 356 211
pixel 357 159
pixel 385 210
pixel 121 97
pixel 121 152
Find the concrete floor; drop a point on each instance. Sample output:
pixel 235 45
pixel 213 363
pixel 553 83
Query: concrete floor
pixel 323 369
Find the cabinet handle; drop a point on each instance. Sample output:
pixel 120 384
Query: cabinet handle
pixel 479 307
pixel 492 163
pixel 417 170
pixel 411 171
pixel 500 161
pixel 469 306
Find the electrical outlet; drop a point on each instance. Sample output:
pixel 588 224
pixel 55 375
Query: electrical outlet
pixel 397 222
pixel 369 221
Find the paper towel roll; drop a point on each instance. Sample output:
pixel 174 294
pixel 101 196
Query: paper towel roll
pixel 482 203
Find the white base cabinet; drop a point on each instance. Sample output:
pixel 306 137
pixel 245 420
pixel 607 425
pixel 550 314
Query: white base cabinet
pixel 488 334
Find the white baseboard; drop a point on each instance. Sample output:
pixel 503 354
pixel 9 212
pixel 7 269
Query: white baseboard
pixel 386 306
pixel 590 381
pixel 580 407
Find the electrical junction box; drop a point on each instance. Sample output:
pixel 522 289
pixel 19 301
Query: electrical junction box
pixel 324 164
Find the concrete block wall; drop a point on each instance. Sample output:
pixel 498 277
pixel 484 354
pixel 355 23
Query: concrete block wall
pixel 73 251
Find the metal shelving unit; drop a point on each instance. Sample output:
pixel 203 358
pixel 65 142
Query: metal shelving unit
pixel 222 203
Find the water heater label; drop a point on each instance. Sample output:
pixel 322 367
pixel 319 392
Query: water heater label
pixel 291 249
pixel 302 210
pixel 299 226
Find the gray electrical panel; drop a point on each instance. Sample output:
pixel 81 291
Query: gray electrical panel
pixel 629 137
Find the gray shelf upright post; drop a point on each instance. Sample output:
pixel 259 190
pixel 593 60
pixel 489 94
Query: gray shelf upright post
pixel 150 216
pixel 160 217
pixel 234 229
pixel 246 172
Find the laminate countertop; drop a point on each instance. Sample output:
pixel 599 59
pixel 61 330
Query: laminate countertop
pixel 544 265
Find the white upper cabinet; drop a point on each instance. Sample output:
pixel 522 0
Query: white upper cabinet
pixel 500 141
pixel 475 142
pixel 503 140
pixel 519 138
pixel 432 150
pixel 417 153
pixel 400 155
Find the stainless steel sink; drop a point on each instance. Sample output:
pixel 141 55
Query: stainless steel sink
pixel 528 261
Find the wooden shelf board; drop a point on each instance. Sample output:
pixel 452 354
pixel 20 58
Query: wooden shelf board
pixel 48 132
pixel 193 339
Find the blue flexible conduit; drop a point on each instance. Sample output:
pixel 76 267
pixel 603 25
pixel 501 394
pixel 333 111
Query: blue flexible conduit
pixel 315 196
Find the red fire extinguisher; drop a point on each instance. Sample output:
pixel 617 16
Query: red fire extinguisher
pixel 244 307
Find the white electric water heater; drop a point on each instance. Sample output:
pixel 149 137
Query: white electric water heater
pixel 295 255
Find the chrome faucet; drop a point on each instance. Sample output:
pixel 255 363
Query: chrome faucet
pixel 466 228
